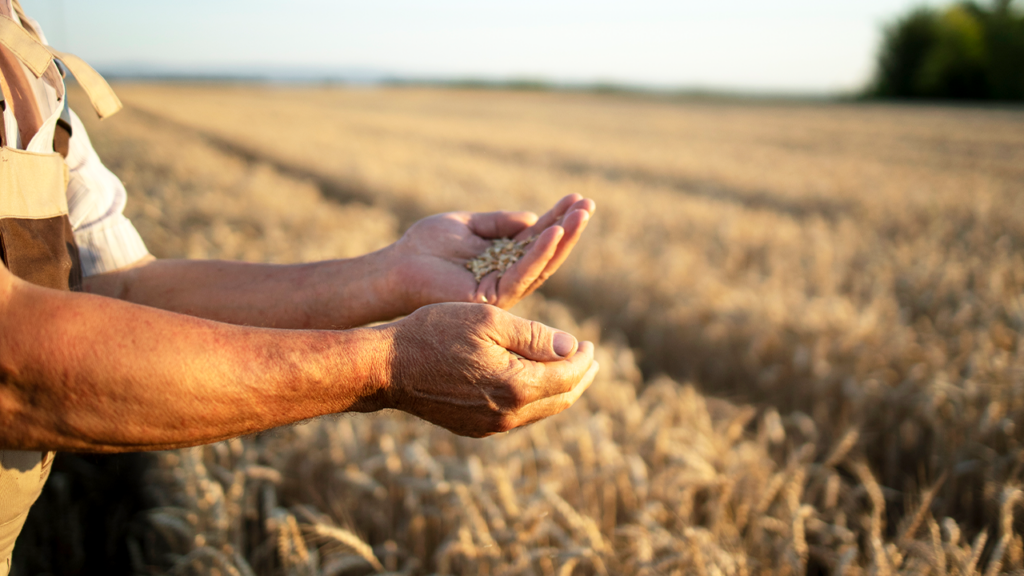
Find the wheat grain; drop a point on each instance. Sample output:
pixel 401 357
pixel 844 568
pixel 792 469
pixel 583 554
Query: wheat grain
pixel 1011 495
pixel 976 550
pixel 350 540
pixel 938 559
pixel 499 257
pixel 879 553
pixel 922 510
pixel 843 448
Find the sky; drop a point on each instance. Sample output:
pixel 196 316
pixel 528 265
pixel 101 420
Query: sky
pixel 782 46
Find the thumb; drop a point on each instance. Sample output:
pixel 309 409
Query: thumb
pixel 535 341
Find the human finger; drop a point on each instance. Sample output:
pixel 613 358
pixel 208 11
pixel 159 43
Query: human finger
pixel 500 224
pixel 512 286
pixel 547 379
pixel 550 217
pixel 574 224
pixel 585 204
pixel 552 405
pixel 530 339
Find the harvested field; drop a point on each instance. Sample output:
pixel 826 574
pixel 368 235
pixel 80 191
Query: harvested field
pixel 810 319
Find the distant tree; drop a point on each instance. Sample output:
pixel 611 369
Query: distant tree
pixel 1005 46
pixel 904 52
pixel 962 52
pixel 955 66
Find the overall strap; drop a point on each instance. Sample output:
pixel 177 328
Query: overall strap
pixel 38 57
pixel 29 50
pixel 102 96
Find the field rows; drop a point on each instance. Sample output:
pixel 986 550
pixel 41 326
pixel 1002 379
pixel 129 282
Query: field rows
pixel 857 268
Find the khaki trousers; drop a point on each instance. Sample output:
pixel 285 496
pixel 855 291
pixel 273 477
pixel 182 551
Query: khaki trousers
pixel 22 475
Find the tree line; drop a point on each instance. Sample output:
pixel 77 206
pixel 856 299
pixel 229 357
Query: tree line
pixel 966 51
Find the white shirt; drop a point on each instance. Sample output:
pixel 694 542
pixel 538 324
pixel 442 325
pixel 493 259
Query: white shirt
pixel 106 239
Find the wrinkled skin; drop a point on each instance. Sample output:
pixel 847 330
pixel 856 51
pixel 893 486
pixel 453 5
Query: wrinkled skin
pixel 448 363
pixel 451 365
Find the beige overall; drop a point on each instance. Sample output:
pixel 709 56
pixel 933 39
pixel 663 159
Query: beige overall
pixel 36 240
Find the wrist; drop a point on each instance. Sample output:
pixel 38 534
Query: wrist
pixel 377 352
pixel 388 280
pixel 353 292
pixel 393 282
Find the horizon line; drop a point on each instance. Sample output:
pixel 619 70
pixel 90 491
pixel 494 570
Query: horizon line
pixel 367 77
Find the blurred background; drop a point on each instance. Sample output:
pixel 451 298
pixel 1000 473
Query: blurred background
pixel 805 277
pixel 931 50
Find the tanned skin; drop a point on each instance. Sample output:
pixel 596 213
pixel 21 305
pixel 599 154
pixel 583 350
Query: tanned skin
pixel 112 371
pixel 425 266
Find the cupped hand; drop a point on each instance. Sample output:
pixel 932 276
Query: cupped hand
pixel 431 257
pixel 453 365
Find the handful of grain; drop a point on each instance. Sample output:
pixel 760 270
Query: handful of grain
pixel 502 254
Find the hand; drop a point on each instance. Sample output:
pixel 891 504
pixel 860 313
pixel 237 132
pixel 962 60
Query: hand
pixel 431 257
pixel 452 365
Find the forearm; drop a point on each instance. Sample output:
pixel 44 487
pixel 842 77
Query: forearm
pixel 86 373
pixel 334 294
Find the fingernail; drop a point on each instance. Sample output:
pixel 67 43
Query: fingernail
pixel 563 343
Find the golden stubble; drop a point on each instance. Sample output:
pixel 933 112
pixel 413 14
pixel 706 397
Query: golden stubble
pixel 856 270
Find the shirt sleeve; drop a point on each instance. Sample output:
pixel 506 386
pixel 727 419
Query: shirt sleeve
pixel 107 241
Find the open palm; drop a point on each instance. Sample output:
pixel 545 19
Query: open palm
pixel 432 255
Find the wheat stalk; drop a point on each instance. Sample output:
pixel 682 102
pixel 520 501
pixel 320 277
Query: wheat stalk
pixel 1011 495
pixel 349 540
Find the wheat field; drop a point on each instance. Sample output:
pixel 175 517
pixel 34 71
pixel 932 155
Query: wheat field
pixel 809 316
